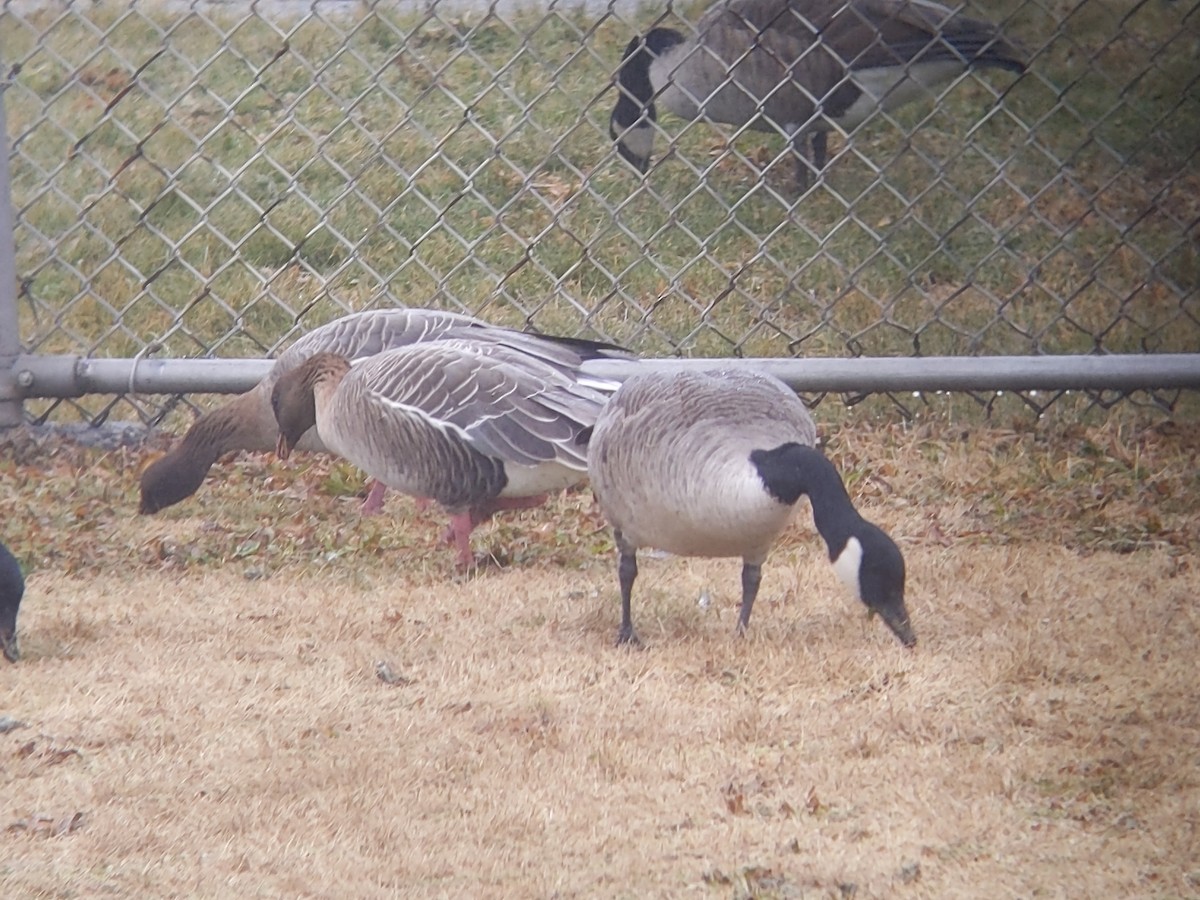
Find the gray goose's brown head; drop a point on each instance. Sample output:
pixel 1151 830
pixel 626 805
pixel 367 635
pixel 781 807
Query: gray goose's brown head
pixel 293 401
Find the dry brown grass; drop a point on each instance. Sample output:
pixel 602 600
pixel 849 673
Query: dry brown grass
pixel 203 715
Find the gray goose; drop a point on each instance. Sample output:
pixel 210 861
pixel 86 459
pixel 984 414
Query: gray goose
pixel 713 464
pixel 246 423
pixel 12 589
pixel 800 67
pixel 476 425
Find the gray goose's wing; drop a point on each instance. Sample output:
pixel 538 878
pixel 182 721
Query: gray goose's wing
pixel 564 355
pixel 373 331
pixel 492 397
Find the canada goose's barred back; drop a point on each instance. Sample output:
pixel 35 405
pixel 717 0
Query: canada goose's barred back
pixel 12 589
pixel 713 464
pixel 477 425
pixel 801 67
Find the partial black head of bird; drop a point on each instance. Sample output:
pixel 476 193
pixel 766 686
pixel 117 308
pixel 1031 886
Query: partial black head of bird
pixel 631 125
pixel 12 589
pixel 866 560
pixel 880 579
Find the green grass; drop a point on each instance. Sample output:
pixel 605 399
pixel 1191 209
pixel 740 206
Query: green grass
pixel 239 174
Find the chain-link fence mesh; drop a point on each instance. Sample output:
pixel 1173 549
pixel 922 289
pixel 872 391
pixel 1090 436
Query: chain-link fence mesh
pixel 194 179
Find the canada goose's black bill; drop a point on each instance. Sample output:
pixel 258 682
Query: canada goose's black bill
pixel 872 567
pixel 9 645
pixel 898 622
pixel 12 589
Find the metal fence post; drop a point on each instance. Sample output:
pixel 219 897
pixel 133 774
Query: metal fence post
pixel 10 333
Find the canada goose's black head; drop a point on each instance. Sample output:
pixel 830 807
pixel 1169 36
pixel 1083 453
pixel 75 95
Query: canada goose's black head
pixel 12 589
pixel 872 566
pixel 864 557
pixel 631 125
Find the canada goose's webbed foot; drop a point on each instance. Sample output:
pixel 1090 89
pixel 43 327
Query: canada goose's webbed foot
pixel 627 637
pixel 373 504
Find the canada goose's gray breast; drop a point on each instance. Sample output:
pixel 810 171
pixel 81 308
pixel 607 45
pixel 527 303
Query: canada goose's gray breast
pixel 670 461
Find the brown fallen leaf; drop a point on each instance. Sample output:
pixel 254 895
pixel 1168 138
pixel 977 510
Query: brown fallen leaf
pixel 51 755
pixel 49 826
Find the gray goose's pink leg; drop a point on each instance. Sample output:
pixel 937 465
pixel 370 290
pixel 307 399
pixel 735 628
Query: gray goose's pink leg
pixel 462 524
pixel 373 505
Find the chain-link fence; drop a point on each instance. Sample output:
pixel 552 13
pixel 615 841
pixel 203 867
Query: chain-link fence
pixel 211 179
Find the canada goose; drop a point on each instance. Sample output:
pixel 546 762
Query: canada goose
pixel 12 589
pixel 477 425
pixel 246 423
pixel 800 67
pixel 712 464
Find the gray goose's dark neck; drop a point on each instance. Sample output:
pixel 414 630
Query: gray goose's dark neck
pixel 635 86
pixel 792 469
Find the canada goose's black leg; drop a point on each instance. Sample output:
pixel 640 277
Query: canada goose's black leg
pixel 627 570
pixel 803 172
pixel 809 165
pixel 751 578
pixel 820 150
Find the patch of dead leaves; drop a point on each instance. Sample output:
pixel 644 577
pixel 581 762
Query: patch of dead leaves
pixel 48 826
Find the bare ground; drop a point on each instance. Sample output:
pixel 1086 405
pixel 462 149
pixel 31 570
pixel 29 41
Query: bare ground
pixel 203 713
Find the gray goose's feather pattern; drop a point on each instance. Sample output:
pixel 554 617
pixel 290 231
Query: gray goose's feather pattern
pixel 502 402
pixel 459 421
pixel 366 333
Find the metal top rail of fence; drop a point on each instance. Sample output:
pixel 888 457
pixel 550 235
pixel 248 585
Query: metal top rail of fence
pixel 210 180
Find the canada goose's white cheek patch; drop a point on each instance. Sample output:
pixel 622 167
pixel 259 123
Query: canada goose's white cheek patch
pixel 639 140
pixel 847 566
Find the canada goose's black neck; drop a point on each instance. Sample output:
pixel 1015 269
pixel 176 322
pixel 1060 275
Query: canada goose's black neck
pixel 636 90
pixel 865 559
pixel 792 469
pixel 12 587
